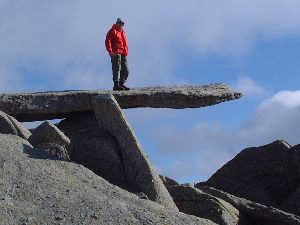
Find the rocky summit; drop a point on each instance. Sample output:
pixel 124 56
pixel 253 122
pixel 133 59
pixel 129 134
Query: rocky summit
pixel 90 168
pixel 267 175
pixel 37 188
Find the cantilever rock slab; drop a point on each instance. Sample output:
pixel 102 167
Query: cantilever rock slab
pixel 138 170
pixel 51 105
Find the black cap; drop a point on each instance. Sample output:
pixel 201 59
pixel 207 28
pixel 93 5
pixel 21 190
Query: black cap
pixel 120 21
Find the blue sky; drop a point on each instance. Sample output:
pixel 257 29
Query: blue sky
pixel 252 46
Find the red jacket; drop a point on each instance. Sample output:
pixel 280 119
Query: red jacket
pixel 116 41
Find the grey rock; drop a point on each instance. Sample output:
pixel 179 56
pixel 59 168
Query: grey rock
pixel 168 181
pixel 292 204
pixel 54 149
pixel 256 213
pixel 49 138
pixel 195 202
pixel 48 133
pixel 51 105
pixel 95 148
pixel 295 166
pixel 260 174
pixel 138 169
pixel 9 125
pixel 37 190
pixel 142 195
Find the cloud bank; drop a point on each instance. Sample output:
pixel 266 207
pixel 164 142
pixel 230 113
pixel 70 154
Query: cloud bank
pixel 276 118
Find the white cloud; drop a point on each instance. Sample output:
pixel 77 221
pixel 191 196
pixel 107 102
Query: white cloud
pixel 249 87
pixel 234 26
pixel 276 118
pixel 286 99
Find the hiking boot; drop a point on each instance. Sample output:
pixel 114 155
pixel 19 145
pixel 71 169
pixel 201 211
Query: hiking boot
pixel 124 87
pixel 117 87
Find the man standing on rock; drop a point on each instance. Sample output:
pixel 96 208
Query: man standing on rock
pixel 117 47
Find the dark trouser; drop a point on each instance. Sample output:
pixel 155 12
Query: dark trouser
pixel 120 68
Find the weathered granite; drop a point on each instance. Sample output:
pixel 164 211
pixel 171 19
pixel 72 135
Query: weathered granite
pixel 260 174
pixel 9 125
pixel 50 105
pixel 49 138
pixel 54 149
pixel 48 133
pixel 94 148
pixel 37 189
pixel 168 181
pixel 195 202
pixel 257 213
pixel 138 169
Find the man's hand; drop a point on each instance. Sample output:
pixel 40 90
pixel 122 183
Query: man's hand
pixel 112 54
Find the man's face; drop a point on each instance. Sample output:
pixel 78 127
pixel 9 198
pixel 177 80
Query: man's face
pixel 120 24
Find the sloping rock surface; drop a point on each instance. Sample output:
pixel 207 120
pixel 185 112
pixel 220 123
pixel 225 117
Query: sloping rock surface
pixel 138 169
pixel 51 105
pixel 36 189
pixel 54 149
pixel 256 213
pixel 48 133
pixel 9 125
pixel 49 138
pixel 94 148
pixel 195 202
pixel 260 174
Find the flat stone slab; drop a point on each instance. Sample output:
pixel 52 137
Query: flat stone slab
pixel 60 104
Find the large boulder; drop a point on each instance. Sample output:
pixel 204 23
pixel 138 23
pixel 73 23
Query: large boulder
pixel 48 133
pixel 255 213
pixel 140 174
pixel 37 189
pixel 94 148
pixel 260 174
pixel 195 202
pixel 49 138
pixel 9 125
